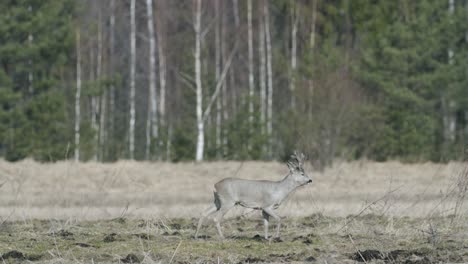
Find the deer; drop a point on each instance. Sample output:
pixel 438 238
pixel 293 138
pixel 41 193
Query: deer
pixel 256 194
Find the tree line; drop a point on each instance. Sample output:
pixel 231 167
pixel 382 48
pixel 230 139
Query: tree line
pixel 233 79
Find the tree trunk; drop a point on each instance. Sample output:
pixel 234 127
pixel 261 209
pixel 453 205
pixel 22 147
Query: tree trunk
pixel 312 47
pixel 224 88
pixel 162 75
pixel 270 79
pixel 30 73
pixel 232 72
pixel 251 66
pixel 217 75
pixel 111 115
pixel 94 105
pixel 314 18
pixel 448 104
pixel 292 80
pixel 131 128
pixel 77 97
pixel 199 94
pixel 102 110
pixel 152 80
pixel 261 51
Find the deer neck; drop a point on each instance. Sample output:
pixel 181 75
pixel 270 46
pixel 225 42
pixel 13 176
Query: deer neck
pixel 288 184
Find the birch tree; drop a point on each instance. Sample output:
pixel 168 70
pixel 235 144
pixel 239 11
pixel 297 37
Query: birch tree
pixel 111 68
pixel 217 75
pixel 131 129
pixel 162 72
pixel 312 47
pixel 199 94
pixel 270 77
pixel 224 86
pixel 103 102
pixel 292 79
pixel 251 66
pixel 94 102
pixel 77 97
pixel 261 51
pixel 448 104
pixel 201 115
pixel 30 73
pixel 152 124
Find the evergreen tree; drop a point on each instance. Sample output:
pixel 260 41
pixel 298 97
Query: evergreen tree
pixel 35 47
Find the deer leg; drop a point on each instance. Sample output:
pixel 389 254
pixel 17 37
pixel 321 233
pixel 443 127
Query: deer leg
pixel 219 217
pixel 266 218
pixel 208 212
pixel 276 217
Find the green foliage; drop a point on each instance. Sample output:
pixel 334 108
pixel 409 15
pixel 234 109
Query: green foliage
pixel 406 69
pixel 35 41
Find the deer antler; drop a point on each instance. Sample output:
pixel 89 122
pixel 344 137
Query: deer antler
pixel 297 159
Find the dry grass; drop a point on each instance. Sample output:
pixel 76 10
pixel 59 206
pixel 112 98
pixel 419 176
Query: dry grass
pixel 139 211
pixel 91 191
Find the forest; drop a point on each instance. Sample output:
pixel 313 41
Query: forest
pixel 233 80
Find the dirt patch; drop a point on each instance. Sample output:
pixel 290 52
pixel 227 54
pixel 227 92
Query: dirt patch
pixel 84 245
pixel 251 259
pixel 204 237
pixel 176 233
pixel 144 236
pixel 368 255
pixel 307 239
pixel 110 238
pixel 418 256
pixel 14 255
pixel 258 238
pixel 63 234
pixel 131 258
pixel 310 259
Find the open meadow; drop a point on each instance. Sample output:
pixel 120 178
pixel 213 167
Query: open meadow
pixel 147 212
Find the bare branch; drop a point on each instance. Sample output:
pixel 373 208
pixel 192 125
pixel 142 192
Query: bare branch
pixel 220 82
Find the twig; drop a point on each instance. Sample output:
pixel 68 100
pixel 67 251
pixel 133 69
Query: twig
pixel 175 251
pixel 355 247
pixel 235 174
pixel 368 206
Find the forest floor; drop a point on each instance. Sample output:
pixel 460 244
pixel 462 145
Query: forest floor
pixel 127 212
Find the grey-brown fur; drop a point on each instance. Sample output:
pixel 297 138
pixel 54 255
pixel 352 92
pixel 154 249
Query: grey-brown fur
pixel 260 195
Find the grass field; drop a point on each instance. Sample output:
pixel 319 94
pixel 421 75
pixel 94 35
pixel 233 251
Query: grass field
pixel 146 212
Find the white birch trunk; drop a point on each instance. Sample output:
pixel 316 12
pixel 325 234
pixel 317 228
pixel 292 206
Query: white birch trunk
pixel 224 83
pixel 102 126
pixel 77 97
pixel 162 77
pixel 292 81
pixel 102 98
pixel 251 66
pixel 169 142
pixel 450 124
pixel 111 67
pixel 232 73
pixel 152 115
pixel 131 129
pixel 94 105
pixel 199 94
pixel 217 75
pixel 270 78
pixel 312 46
pixel 261 51
pixel 314 18
pixel 30 73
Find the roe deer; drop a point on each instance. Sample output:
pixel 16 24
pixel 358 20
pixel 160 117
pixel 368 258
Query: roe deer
pixel 255 194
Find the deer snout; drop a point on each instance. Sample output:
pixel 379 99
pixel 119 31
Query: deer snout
pixel 309 181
